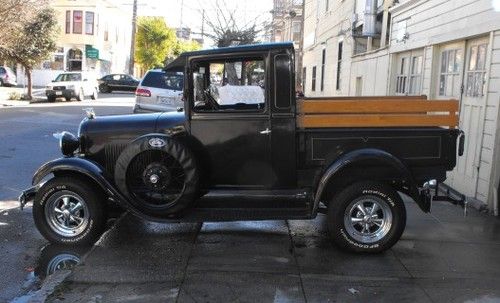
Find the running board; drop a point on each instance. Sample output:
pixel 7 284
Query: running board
pixel 239 205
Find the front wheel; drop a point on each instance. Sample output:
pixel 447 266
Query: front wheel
pixel 69 211
pixel 366 217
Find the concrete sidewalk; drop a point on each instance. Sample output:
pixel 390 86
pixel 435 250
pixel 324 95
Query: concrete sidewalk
pixel 442 257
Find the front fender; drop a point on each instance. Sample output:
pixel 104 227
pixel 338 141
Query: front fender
pixel 77 165
pixel 368 154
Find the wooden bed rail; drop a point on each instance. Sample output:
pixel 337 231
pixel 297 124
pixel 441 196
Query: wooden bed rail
pixel 377 112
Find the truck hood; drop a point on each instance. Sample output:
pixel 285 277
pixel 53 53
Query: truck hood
pixel 100 131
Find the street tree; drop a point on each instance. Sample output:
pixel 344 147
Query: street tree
pixel 226 29
pixel 155 41
pixel 13 14
pixel 35 41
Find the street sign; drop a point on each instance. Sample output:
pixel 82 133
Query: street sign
pixel 92 53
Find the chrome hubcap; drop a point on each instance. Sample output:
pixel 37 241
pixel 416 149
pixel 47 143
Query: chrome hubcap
pixel 368 219
pixel 67 213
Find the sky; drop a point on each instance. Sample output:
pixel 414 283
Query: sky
pixel 189 12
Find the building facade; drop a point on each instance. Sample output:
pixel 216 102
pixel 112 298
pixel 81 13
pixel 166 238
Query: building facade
pixel 445 49
pixel 287 25
pixel 94 36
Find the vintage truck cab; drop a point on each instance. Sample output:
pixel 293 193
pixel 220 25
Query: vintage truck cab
pixel 244 148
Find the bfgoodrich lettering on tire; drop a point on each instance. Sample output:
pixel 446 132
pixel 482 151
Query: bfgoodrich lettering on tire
pixel 69 211
pixel 366 217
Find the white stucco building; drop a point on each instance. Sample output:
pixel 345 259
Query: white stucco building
pixel 445 49
pixel 94 36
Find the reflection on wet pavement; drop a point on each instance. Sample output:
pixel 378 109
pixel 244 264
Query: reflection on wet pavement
pixel 441 258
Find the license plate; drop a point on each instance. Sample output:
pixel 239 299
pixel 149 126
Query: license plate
pixel 58 93
pixel 165 100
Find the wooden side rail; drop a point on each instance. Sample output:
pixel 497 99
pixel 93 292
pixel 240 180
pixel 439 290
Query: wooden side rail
pixel 377 112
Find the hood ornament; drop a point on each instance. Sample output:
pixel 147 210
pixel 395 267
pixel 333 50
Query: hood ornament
pixel 89 112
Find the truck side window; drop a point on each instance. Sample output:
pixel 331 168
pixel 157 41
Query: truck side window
pixel 229 85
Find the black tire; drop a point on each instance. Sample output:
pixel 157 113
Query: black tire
pixel 80 96
pixel 366 236
pixel 94 94
pixel 176 170
pixel 67 99
pixel 103 88
pixel 94 204
pixel 51 99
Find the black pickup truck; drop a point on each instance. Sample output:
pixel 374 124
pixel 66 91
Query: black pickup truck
pixel 244 148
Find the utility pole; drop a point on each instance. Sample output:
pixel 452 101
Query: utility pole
pixel 203 24
pixel 132 42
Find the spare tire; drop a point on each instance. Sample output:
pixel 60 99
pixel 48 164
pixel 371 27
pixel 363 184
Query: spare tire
pixel 158 174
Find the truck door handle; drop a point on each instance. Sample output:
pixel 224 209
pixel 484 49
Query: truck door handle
pixel 267 131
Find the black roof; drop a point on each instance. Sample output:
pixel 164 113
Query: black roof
pixel 179 63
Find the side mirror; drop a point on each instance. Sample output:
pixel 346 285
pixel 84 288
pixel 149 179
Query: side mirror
pixel 53 80
pixel 85 79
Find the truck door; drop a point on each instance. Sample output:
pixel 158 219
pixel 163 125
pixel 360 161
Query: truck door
pixel 230 116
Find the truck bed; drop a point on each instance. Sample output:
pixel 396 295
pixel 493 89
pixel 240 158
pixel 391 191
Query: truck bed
pixel 421 133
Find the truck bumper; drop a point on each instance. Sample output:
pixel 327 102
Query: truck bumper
pixel 28 195
pixel 430 193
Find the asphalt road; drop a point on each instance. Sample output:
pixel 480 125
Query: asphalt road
pixel 442 257
pixel 26 142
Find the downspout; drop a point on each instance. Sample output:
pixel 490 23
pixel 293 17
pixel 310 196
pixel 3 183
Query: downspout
pixel 370 19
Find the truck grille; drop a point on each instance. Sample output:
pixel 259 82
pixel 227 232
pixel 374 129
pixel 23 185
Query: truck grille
pixel 59 87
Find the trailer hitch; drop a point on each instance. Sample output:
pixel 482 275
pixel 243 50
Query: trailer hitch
pixel 435 193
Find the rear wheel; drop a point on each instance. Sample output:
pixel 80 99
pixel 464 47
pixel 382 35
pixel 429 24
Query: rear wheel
pixel 366 217
pixel 51 98
pixel 69 211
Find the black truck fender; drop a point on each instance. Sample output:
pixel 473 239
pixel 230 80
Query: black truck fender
pixel 377 156
pixel 79 166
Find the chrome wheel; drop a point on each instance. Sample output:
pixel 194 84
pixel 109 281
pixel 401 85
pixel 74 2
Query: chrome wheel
pixel 368 219
pixel 67 213
pixel 62 262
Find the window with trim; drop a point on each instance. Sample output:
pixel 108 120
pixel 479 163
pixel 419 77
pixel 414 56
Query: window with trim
pixel 409 75
pixel 68 22
pixel 77 22
pixel 89 23
pixel 229 85
pixel 415 76
pixel 449 73
pixel 476 71
pixel 402 77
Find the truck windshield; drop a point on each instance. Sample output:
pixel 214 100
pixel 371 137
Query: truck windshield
pixel 69 77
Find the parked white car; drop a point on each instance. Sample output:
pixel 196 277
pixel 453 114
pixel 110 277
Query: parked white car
pixel 72 85
pixel 159 91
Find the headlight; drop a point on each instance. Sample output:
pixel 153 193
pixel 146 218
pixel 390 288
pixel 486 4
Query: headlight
pixel 48 87
pixel 70 87
pixel 68 142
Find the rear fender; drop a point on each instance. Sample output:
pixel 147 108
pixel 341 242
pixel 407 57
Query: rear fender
pixel 378 156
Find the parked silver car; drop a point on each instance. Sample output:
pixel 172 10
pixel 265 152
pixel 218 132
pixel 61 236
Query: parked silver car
pixel 7 77
pixel 159 91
